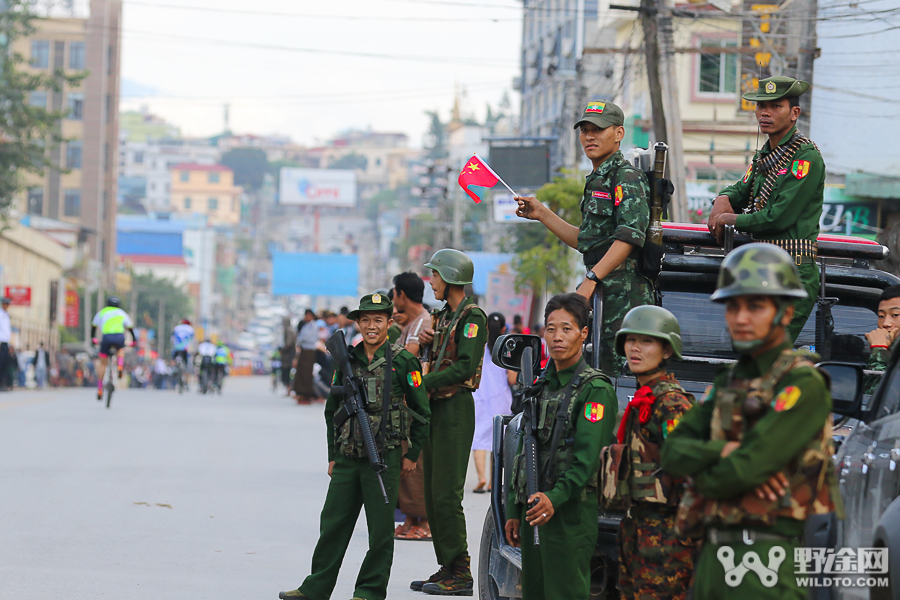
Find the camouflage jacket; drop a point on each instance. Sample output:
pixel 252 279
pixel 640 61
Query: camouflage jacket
pixel 620 213
pixel 463 342
pixel 878 361
pixel 777 406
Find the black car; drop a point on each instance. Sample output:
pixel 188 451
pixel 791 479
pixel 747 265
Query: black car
pixel 690 268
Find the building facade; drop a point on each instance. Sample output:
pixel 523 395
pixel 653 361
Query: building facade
pixel 207 190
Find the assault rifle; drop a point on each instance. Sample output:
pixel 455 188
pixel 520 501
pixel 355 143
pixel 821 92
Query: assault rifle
pixel 354 404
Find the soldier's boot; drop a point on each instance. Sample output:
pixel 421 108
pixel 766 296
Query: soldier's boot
pixel 295 594
pixel 416 586
pixel 458 581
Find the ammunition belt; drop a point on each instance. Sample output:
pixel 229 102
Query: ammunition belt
pixel 803 251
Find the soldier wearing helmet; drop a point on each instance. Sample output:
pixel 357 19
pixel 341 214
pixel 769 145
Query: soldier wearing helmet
pixel 649 337
pixel 758 446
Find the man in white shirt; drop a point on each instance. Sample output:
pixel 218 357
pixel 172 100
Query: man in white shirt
pixel 5 337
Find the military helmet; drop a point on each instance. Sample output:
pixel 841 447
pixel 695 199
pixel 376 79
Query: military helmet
pixel 454 266
pixel 758 270
pixel 653 321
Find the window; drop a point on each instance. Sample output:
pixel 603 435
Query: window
pixel 38 99
pixel 73 203
pixel 212 204
pixel 76 56
pixel 187 203
pixel 76 106
pixel 185 175
pixel 718 73
pixel 73 154
pixel 40 54
pixel 213 177
pixel 138 158
pixel 36 201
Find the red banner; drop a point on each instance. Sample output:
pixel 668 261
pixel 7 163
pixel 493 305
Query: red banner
pixel 72 309
pixel 19 294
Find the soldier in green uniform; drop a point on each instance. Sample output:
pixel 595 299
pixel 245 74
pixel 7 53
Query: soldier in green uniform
pixel 779 199
pixel 615 214
pixel 882 340
pixel 577 408
pixel 758 445
pixel 456 343
pixel 353 482
pixel 653 561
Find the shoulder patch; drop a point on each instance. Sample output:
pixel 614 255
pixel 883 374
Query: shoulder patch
pixel 786 399
pixel 470 330
pixel 619 194
pixel 593 411
pixel 800 168
pixel 671 424
pixel 414 378
pixel 748 174
pixel 707 394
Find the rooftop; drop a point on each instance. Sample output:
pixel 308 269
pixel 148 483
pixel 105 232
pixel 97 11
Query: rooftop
pixel 198 167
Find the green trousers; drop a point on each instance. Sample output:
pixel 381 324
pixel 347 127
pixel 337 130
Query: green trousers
pixel 560 568
pixel 445 460
pixel 622 291
pixel 354 486
pixel 710 582
pixel 809 277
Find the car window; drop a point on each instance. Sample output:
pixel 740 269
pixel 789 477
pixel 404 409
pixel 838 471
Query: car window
pixel 891 394
pixel 848 343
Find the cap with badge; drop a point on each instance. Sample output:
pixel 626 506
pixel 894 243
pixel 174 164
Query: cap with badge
pixel 776 88
pixel 603 114
pixel 372 303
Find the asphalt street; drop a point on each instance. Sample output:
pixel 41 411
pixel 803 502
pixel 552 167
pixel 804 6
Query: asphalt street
pixel 166 496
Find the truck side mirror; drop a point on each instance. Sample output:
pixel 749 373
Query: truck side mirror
pixel 508 349
pixel 846 386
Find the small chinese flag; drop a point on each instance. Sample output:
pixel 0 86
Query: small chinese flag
pixel 477 177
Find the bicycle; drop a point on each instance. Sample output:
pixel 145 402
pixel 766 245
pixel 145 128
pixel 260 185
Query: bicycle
pixel 180 383
pixel 276 376
pixel 112 372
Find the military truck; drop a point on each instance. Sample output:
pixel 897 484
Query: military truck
pixel 847 309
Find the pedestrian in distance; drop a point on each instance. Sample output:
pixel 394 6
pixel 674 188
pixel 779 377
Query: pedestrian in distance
pixel 615 213
pixel 395 377
pixel 577 407
pixel 883 338
pixel 305 358
pixel 41 362
pixel 758 446
pixel 779 199
pixel 457 338
pixel 5 338
pixel 653 561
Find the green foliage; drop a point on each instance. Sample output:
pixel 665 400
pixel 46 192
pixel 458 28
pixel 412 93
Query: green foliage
pixel 150 291
pixel 350 161
pixel 542 261
pixel 436 146
pixel 27 133
pixel 249 166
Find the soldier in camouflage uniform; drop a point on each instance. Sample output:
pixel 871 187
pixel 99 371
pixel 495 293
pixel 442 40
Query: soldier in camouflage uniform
pixel 615 214
pixel 758 446
pixel 577 408
pixel 456 340
pixel 653 561
pixel 779 199
pixel 353 482
pixel 882 340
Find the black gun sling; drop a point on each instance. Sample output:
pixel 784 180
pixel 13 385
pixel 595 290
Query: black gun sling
pixel 561 415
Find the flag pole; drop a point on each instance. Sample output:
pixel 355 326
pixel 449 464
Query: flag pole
pixel 494 173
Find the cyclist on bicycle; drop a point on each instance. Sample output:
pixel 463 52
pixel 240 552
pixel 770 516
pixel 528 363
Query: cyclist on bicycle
pixel 182 337
pixel 223 359
pixel 112 321
pixel 206 352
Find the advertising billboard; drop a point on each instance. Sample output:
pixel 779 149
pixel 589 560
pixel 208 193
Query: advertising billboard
pixel 295 273
pixel 318 187
pixel 526 167
pixel 19 294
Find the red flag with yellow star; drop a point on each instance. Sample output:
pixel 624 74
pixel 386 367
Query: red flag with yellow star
pixel 477 178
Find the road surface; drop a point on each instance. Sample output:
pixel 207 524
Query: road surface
pixel 169 497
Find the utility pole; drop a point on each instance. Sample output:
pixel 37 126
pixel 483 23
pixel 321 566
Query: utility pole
pixel 651 53
pixel 672 109
pixel 802 43
pixel 160 336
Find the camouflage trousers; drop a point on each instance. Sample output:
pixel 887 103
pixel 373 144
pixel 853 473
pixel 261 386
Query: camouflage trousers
pixel 654 564
pixel 622 290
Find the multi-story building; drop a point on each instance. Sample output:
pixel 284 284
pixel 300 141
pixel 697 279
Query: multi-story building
pixel 82 189
pixel 378 158
pixel 207 190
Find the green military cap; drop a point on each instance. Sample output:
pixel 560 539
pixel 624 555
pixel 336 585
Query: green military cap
pixel 776 88
pixel 602 114
pixel 372 303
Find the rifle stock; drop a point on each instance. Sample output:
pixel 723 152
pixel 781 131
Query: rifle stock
pixel 530 443
pixel 354 404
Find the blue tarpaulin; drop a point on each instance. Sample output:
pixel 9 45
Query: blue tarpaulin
pixel 314 274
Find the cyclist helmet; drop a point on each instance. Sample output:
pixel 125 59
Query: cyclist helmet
pixel 185 322
pixel 114 301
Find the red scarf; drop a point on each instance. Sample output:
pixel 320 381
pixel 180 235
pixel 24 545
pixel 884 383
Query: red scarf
pixel 643 401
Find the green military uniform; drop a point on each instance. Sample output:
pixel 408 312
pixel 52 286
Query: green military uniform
pixel 615 206
pixel 878 361
pixel 560 567
pixel 446 452
pixel 394 333
pixel 781 197
pixel 353 483
pixel 776 405
pixel 653 561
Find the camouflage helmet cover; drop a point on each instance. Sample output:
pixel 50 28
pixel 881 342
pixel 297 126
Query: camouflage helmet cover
pixel 758 269
pixel 653 321
pixel 453 266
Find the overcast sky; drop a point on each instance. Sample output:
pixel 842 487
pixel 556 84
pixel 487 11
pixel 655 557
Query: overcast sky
pixel 310 69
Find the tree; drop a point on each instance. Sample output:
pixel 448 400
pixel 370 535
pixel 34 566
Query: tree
pixel 150 292
pixel 249 165
pixel 350 161
pixel 436 139
pixel 543 261
pixel 27 133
